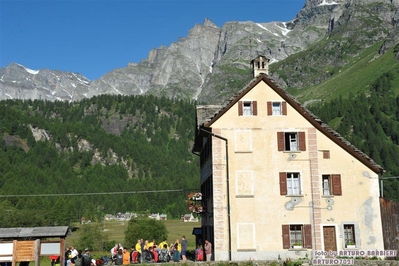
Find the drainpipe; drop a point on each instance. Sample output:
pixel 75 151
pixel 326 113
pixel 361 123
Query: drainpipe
pixel 227 183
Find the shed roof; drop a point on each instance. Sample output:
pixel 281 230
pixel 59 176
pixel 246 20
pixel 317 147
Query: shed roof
pixel 34 232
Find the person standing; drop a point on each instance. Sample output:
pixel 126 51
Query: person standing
pixel 176 253
pixel 208 250
pixel 114 250
pixel 74 252
pixel 126 257
pixel 118 258
pixel 78 259
pixel 183 248
pixel 68 256
pixel 87 258
pixel 142 250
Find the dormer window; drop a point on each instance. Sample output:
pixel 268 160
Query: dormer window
pixel 247 108
pixel 276 108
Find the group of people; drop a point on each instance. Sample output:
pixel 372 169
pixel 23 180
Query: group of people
pixel 142 252
pixel 149 251
pixel 78 258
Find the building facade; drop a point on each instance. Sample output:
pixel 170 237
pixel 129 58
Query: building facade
pixel 278 183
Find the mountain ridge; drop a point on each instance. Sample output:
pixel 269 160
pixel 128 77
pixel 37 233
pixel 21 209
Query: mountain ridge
pixel 210 64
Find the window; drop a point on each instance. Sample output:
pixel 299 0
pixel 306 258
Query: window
pixel 290 184
pixel 326 154
pixel 276 108
pixel 297 235
pixel 291 141
pixel 247 108
pixel 331 185
pixel 349 234
pixel 326 185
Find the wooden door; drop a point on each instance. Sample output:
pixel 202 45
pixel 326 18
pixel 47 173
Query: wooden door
pixel 329 238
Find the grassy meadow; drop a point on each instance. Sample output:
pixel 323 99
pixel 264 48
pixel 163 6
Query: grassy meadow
pixel 116 232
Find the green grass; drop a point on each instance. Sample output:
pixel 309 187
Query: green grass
pixel 354 77
pixel 116 232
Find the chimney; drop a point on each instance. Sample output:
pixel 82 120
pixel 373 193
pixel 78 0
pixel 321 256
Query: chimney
pixel 260 65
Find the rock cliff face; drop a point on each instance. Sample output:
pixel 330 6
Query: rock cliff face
pixel 211 63
pixel 19 82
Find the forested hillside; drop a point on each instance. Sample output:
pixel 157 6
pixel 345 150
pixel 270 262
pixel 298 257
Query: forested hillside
pixel 110 145
pixel 61 161
pixel 370 121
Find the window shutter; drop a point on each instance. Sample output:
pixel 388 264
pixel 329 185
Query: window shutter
pixel 283 183
pixel 240 112
pixel 308 236
pixel 269 108
pixel 302 141
pixel 284 108
pixel 336 185
pixel 286 236
pixel 326 154
pixel 280 141
pixel 254 108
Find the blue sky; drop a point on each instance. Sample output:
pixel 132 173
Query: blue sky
pixel 93 37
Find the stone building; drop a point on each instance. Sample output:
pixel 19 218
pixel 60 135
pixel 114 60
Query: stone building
pixel 277 182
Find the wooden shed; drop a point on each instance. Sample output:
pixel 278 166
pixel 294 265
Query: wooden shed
pixel 26 244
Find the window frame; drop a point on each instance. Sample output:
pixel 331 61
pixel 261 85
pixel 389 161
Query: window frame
pixel 284 142
pixel 334 182
pixel 286 180
pixel 252 105
pixel 349 232
pixel 282 108
pixel 305 233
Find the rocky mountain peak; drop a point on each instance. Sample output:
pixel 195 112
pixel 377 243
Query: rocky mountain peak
pixel 209 23
pixel 211 63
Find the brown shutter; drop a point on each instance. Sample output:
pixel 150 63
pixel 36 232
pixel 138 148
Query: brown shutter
pixel 308 236
pixel 284 108
pixel 280 141
pixel 254 108
pixel 326 154
pixel 240 112
pixel 336 185
pixel 283 183
pixel 302 141
pixel 269 108
pixel 286 236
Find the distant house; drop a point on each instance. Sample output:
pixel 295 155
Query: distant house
pixel 158 216
pixel 277 182
pixel 154 216
pixel 190 218
pixel 109 217
pixel 120 216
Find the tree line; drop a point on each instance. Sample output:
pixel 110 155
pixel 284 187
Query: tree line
pixel 140 146
pixel 148 155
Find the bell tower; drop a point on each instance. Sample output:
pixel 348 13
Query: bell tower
pixel 260 65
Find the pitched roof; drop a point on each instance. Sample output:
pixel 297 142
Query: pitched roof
pixel 207 115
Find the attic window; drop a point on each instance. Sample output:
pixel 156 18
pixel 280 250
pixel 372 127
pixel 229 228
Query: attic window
pixel 276 108
pixel 247 108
